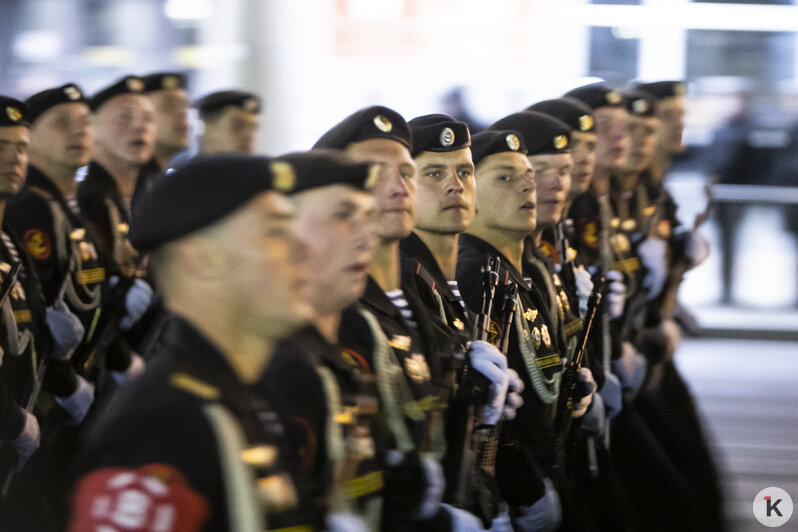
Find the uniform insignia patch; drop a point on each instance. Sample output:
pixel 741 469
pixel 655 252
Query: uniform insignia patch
pixel 547 248
pixel 37 243
pixel 620 243
pixel 417 368
pixel 400 341
pixel 536 336
pixel 590 235
pixel 530 314
pixel 628 225
pixel 260 456
pixel 513 142
pixel 447 137
pixel 544 333
pixel 458 324
pixel 383 124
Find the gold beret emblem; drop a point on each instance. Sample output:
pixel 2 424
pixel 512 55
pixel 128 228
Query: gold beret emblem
pixel 513 142
pixel 447 137
pixel 679 89
pixel 613 97
pixel 383 124
pixel 13 113
pixel 135 85
pixel 373 176
pixel 585 123
pixel 284 177
pixel 640 106
pixel 560 142
pixel 251 105
pixel 72 92
pixel 170 82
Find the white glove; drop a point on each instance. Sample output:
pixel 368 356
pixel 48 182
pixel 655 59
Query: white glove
pixel 585 376
pixel 77 405
pixel 630 368
pixel 490 362
pixel 502 522
pixel 652 253
pixel 584 286
pixel 616 294
pixel 28 441
pixel 595 418
pixel 611 394
pixel 345 522
pixel 696 249
pixel 514 400
pixel 545 515
pixel 137 301
pixel 66 329
pixel 136 366
pixel 462 520
pixel 433 474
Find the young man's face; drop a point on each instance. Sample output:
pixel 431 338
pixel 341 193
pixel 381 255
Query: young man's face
pixel 14 146
pixel 552 182
pixel 171 118
pixel 124 126
pixel 233 131
pixel 612 137
pixel 395 193
pixel 336 223
pixel 671 113
pixel 583 151
pixel 446 191
pixel 63 136
pixel 643 136
pixel 506 199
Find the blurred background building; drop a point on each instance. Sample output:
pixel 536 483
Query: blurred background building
pixel 315 61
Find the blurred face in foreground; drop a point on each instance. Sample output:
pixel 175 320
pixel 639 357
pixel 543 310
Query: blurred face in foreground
pixel 553 181
pixel 125 129
pixel 612 137
pixel 14 147
pixel 336 223
pixel 583 151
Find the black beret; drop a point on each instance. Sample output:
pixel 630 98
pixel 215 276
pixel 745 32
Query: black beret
pixel 596 95
pixel 161 81
pixel 490 142
pixel 375 122
pixel 438 133
pixel 663 89
pixel 126 85
pixel 42 101
pixel 14 112
pixel 542 134
pixel 215 101
pixel 573 112
pixel 639 103
pixel 320 168
pixel 198 194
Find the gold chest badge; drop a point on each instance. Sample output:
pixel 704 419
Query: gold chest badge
pixel 417 368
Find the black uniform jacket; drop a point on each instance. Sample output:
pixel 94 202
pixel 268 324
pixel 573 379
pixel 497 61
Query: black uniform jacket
pixel 183 412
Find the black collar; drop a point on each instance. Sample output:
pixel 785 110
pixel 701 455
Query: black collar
pixel 468 241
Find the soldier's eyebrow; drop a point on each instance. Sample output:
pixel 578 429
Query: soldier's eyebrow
pixel 433 166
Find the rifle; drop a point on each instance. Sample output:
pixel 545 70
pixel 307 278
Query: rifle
pixel 565 406
pixel 472 391
pixel 567 267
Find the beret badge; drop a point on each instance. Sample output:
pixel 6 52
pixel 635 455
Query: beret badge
pixel 383 124
pixel 447 137
pixel 560 142
pixel 284 176
pixel 13 113
pixel 585 122
pixel 513 142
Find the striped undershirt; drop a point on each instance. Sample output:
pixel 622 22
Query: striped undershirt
pixel 455 288
pixel 397 297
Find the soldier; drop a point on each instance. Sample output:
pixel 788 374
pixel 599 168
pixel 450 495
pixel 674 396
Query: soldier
pixel 230 122
pixel 170 99
pixel 329 397
pixel 124 127
pixel 36 345
pixel 190 445
pixel 412 344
